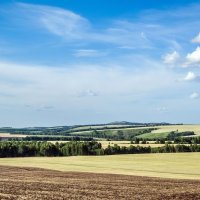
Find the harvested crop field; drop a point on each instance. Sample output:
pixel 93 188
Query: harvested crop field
pixel 35 183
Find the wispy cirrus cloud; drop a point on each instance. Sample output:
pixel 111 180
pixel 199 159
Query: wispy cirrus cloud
pixel 71 26
pixel 148 33
pixel 150 29
pixel 89 53
pixel 144 31
pixel 58 21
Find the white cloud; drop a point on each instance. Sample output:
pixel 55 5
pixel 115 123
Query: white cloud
pixel 162 109
pixel 194 95
pixel 196 39
pixel 87 93
pixel 171 58
pixel 191 76
pixel 58 21
pixel 58 86
pixel 193 59
pixel 148 30
pixel 88 53
pixel 71 27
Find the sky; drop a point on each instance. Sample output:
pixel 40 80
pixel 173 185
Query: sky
pixel 97 61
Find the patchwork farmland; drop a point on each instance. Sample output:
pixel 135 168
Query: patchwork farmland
pixel 135 176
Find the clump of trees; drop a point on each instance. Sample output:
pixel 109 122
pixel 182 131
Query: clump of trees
pixel 176 148
pixel 172 135
pixel 23 149
pixel 187 140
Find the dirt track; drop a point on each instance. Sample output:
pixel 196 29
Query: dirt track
pixel 31 183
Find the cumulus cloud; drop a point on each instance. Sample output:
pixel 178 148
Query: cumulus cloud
pixel 171 58
pixel 191 76
pixel 193 59
pixel 194 95
pixel 196 39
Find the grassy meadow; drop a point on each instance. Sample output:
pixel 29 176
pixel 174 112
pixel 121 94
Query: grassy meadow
pixel 153 135
pixel 163 131
pixel 180 128
pixel 176 165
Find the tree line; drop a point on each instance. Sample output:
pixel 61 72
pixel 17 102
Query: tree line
pixel 176 140
pixel 72 148
pixel 51 138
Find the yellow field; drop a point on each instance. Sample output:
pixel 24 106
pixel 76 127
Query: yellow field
pixel 8 135
pixel 119 143
pixel 180 128
pixel 126 144
pixel 177 165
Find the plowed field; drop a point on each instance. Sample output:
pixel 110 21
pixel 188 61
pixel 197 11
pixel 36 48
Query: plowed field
pixel 34 183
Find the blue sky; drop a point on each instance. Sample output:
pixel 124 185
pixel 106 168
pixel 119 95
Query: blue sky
pixel 79 62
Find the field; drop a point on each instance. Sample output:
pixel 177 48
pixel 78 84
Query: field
pixel 33 183
pixel 126 144
pixel 180 128
pixel 119 143
pixel 154 135
pixel 163 131
pixel 8 135
pixel 177 165
pixel 136 176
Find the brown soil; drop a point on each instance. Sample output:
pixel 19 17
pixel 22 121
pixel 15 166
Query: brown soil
pixel 31 183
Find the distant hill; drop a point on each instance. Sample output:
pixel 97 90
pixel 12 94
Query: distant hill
pixel 123 123
pixel 137 124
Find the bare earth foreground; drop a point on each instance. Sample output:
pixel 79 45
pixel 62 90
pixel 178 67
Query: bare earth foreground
pixel 34 183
